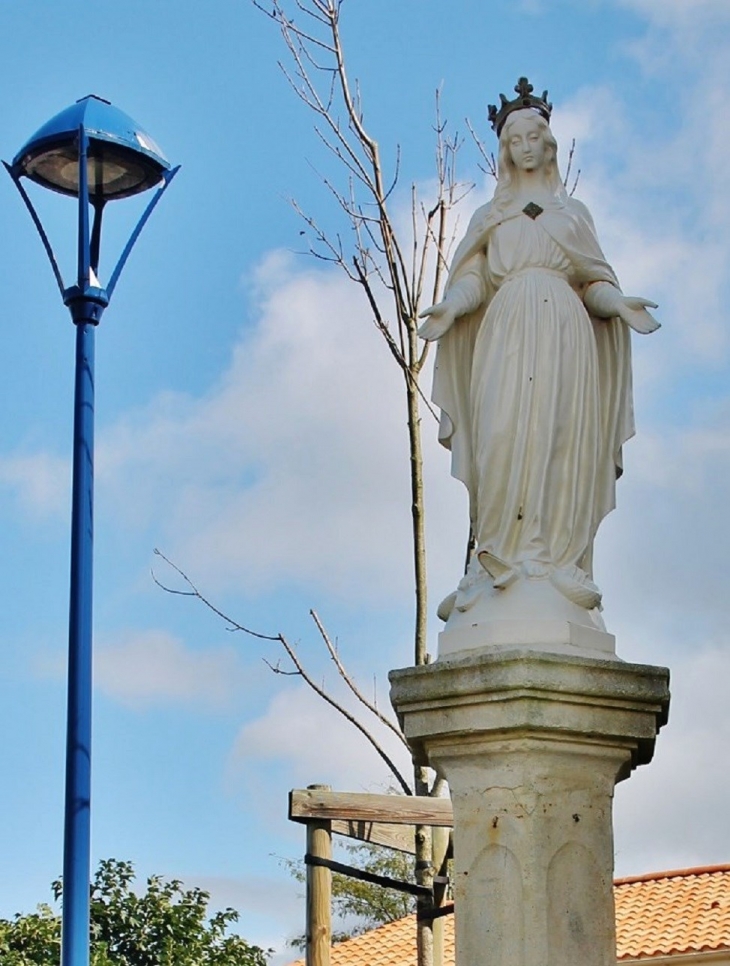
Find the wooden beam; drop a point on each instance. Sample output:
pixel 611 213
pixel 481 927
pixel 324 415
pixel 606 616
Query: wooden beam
pixel 401 837
pixel 310 803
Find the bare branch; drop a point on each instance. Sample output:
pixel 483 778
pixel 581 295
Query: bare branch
pixel 488 157
pixel 566 179
pixel 336 255
pixel 277 669
pixel 342 671
pixel 380 323
pixel 410 375
pixel 287 25
pixel 234 625
pixel 379 256
pixel 396 174
pixel 194 592
pixel 415 288
pixel 355 168
pixel 325 696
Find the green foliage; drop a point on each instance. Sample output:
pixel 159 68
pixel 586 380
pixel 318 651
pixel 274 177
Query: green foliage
pixel 167 925
pixel 361 905
pixel 31 939
pixel 373 905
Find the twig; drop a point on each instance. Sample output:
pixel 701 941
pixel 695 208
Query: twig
pixel 566 179
pixel 233 625
pixel 194 592
pixel 488 158
pixel 350 683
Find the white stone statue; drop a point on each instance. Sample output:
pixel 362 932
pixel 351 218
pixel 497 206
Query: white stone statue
pixel 533 378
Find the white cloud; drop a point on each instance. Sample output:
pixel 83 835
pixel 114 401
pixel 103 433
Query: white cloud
pixel 681 14
pixel 317 745
pixel 269 908
pixel 294 467
pixel 593 113
pixel 152 667
pixel 672 813
pixel 40 482
pixel 291 467
pixel 660 221
pixel 662 557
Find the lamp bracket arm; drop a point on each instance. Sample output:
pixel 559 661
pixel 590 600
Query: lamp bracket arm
pixel 41 230
pixel 167 178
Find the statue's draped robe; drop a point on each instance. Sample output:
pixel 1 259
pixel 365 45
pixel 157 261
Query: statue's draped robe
pixel 535 395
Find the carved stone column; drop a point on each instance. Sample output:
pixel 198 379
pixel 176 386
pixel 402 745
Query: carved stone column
pixel 532 745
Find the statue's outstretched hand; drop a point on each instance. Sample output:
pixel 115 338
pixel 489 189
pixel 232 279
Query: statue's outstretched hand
pixel 439 319
pixel 633 312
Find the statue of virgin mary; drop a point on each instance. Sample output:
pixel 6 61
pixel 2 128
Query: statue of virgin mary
pixel 533 372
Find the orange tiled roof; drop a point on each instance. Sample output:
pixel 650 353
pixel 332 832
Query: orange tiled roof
pixel 391 945
pixel 661 914
pixel 686 911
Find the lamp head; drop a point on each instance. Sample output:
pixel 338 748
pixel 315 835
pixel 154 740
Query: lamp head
pixel 123 159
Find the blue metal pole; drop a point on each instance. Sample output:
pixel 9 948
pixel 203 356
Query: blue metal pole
pixel 77 829
pixel 86 301
pixel 86 305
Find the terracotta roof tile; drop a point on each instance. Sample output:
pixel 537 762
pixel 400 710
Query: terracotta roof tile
pixel 391 945
pixel 673 912
pixel 661 914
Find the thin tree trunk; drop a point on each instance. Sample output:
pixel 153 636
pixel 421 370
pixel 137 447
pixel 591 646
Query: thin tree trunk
pixel 417 509
pixel 424 849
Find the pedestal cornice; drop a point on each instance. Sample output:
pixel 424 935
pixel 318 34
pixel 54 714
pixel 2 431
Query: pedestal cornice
pixel 491 694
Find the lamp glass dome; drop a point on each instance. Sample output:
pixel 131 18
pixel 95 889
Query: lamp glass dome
pixel 123 159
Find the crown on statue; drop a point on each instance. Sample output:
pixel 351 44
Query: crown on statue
pixel 525 98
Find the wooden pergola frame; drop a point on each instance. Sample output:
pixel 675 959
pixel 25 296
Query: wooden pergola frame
pixel 386 820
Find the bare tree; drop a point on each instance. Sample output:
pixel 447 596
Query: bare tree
pixel 398 273
pixel 393 273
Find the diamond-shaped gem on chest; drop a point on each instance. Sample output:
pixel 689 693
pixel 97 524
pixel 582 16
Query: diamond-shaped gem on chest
pixel 532 210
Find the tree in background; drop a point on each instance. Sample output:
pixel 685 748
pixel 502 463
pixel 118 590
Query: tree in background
pixel 166 925
pixel 359 905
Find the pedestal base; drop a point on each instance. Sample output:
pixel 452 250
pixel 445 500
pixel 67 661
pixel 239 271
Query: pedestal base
pixel 553 636
pixel 532 745
pixel 528 614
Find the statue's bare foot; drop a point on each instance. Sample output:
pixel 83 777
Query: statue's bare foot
pixel 500 571
pixel 576 585
pixel 444 609
pixel 505 579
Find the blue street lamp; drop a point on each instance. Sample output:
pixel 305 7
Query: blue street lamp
pixel 93 152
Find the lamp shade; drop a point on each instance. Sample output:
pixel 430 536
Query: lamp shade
pixel 122 158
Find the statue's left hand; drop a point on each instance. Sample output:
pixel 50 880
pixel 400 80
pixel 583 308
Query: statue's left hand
pixel 633 311
pixel 439 319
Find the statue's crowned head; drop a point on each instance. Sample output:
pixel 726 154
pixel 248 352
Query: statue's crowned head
pixel 506 168
pixel 510 121
pixel 525 100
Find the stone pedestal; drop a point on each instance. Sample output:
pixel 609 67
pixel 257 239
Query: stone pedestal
pixel 532 745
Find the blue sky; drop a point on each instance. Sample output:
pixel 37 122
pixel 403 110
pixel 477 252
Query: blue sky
pixel 250 425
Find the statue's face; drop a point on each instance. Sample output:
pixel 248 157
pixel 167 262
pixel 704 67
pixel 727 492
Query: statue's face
pixel 527 147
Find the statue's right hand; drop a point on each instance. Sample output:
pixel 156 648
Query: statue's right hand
pixel 439 319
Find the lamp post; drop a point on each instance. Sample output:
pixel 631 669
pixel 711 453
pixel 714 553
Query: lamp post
pixel 95 153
